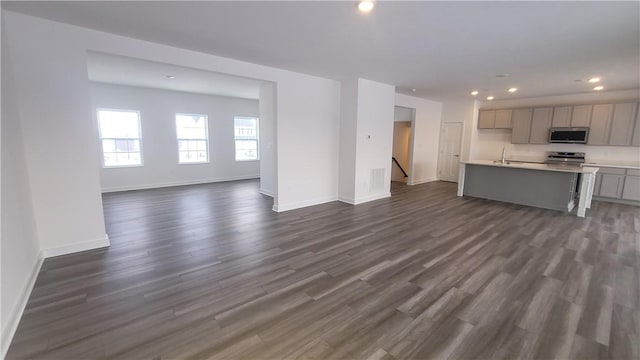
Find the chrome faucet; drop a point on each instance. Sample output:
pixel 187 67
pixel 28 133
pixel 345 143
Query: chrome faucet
pixel 503 153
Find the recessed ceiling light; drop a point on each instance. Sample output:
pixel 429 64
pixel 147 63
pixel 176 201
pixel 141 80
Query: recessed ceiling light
pixel 512 90
pixel 598 88
pixel 414 90
pixel 489 97
pixel 170 77
pixel 594 80
pixel 474 92
pixel 365 6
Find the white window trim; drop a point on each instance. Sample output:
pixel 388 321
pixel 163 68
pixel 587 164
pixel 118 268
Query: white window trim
pixel 101 138
pixel 257 140
pixel 206 132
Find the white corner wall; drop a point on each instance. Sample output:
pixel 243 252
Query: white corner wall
pixel 465 112
pixel 267 114
pixel 60 140
pixel 348 136
pixel 53 93
pixel 425 137
pixel 159 145
pixel 20 251
pixel 374 138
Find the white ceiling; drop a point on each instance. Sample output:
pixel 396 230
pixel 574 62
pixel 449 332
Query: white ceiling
pixel 442 49
pixel 135 72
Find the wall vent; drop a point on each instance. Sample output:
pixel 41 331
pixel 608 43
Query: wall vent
pixel 376 182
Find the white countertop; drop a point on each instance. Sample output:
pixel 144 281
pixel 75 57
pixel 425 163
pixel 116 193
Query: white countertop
pixel 534 166
pixel 611 164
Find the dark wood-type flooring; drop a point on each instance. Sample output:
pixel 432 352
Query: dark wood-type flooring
pixel 209 271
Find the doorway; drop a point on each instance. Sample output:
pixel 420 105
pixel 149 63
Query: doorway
pixel 401 151
pixel 401 156
pixel 450 141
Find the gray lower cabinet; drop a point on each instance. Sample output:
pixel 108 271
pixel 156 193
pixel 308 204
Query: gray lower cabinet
pixel 521 126
pixel 611 185
pixel 540 124
pixel 609 182
pixel 615 183
pixel 631 189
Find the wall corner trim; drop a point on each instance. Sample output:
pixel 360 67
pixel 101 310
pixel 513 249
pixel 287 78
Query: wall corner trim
pixel 364 199
pixel 77 247
pixel 12 325
pixel 422 181
pixel 347 200
pixel 266 192
pixel 302 204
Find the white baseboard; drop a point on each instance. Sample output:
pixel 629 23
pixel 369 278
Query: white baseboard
pixel 16 313
pixel 76 247
pixel 302 204
pixel 266 192
pixel 177 183
pixel 422 181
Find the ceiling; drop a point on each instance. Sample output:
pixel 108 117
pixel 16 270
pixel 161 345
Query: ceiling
pixel 441 49
pixel 134 72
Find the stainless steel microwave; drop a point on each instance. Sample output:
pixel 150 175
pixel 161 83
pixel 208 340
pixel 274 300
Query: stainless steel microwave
pixel 569 135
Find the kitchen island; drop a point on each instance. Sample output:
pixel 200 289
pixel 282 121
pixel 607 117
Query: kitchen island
pixel 541 185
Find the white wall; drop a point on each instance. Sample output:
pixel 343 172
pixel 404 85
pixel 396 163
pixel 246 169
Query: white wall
pixel 157 115
pixel 348 135
pixel 60 140
pixel 425 137
pixel 374 138
pixel 53 93
pixel 488 144
pixel 20 250
pixel 462 111
pixel 267 141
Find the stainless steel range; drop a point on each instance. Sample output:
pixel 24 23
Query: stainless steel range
pixel 565 158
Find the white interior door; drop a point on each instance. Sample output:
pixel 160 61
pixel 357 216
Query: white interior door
pixel 450 140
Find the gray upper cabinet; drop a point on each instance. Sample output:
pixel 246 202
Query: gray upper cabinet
pixel 600 123
pixel 622 122
pixel 521 126
pixel 486 119
pixel 503 119
pixel 581 116
pixel 561 116
pixel 540 124
pixel 494 119
pixel 636 132
pixel 609 124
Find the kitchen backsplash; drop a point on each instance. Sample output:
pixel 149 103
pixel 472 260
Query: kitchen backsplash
pixel 487 146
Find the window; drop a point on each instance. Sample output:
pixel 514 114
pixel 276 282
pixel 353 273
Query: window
pixel 246 135
pixel 120 137
pixel 193 139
